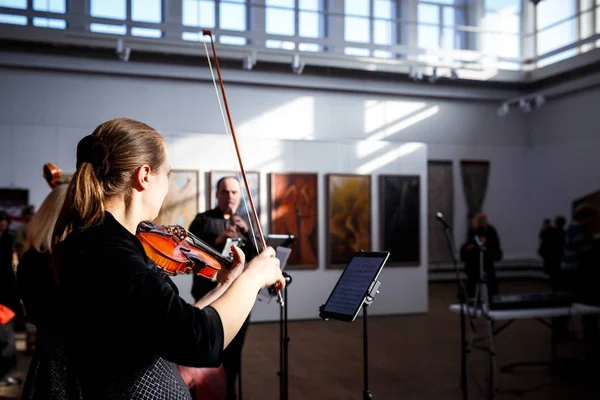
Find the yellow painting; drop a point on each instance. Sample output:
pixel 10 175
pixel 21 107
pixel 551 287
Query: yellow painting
pixel 349 217
pixel 181 204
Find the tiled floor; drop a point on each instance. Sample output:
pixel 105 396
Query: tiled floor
pixel 411 357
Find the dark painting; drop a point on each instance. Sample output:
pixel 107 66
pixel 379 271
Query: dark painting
pixel 294 211
pixel 399 218
pixel 440 198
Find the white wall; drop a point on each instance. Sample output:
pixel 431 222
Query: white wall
pixel 565 162
pixel 43 114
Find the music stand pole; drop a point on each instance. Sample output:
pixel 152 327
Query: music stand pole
pixel 368 300
pixel 284 341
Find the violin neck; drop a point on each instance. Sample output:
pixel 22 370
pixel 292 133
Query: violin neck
pixel 205 247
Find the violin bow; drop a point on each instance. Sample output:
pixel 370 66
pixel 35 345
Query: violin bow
pixel 207 32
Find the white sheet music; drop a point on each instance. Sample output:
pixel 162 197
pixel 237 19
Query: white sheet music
pixel 352 286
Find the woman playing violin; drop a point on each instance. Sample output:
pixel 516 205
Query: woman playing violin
pixel 122 325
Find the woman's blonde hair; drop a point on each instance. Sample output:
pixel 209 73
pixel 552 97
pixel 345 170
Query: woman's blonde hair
pixel 41 226
pixel 106 162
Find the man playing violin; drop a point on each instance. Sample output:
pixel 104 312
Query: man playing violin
pixel 214 227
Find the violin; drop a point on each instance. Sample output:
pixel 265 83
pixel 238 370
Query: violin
pixel 175 250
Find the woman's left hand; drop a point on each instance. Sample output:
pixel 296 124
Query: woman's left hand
pixel 227 276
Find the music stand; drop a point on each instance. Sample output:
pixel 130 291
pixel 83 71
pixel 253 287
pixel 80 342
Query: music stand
pixel 283 240
pixel 356 289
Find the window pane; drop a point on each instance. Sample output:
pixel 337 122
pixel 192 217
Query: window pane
pixel 356 7
pixel 55 6
pixel 49 23
pixel 146 32
pixel 280 22
pixel 279 44
pixel 383 32
pixel 448 39
pixel 429 36
pixel 310 47
pixel 233 40
pixel 280 3
pixel 21 4
pixel 146 10
pixel 110 29
pixel 232 17
pixel 310 5
pixel 428 14
pixel 309 24
pixel 356 29
pixel 551 11
pixel 503 5
pixel 13 19
pixel 195 37
pixel 199 13
pixel 382 54
pixel 355 51
pixel 554 38
pixel 383 9
pixel 114 9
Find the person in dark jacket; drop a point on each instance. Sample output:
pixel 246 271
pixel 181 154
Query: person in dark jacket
pixel 470 254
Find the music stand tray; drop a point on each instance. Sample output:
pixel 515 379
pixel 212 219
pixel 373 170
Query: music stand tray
pixel 356 289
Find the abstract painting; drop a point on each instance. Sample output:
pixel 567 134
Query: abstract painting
pixel 440 198
pixel 348 217
pixel 254 183
pixel 181 204
pixel 399 218
pixel 294 211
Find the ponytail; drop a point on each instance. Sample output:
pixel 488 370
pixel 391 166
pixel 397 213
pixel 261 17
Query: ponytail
pixel 84 203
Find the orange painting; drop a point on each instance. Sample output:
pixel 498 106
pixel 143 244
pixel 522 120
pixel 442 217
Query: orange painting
pixel 348 216
pixel 294 211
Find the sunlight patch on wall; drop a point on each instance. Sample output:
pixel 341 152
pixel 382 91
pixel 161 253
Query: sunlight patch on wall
pixel 379 114
pixel 290 121
pixel 389 157
pixel 370 145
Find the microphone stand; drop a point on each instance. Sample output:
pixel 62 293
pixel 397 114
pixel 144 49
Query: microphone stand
pixel 462 297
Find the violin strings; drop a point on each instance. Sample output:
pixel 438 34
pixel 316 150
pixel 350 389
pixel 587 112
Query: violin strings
pixel 232 148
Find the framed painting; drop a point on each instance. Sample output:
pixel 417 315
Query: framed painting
pixel 254 183
pixel 182 202
pixel 294 211
pixel 399 218
pixel 348 217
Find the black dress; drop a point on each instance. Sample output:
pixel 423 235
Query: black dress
pixel 118 327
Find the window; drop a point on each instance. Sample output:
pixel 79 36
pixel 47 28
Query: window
pixel 502 21
pixel 281 17
pixel 202 14
pixel 366 23
pixel 141 11
pixel 53 6
pixel 11 18
pixel 436 26
pixel 111 9
pixel 146 11
pixel 556 28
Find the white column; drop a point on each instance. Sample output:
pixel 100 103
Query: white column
pixel 78 9
pixel 335 25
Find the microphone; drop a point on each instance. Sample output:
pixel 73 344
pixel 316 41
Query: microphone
pixel 440 217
